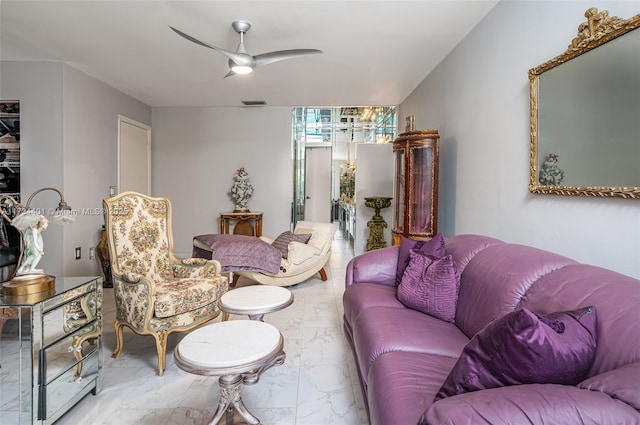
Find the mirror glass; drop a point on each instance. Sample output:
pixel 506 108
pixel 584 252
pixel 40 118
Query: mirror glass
pixel 585 113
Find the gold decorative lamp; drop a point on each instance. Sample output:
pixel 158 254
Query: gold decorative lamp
pixel 377 224
pixel 31 222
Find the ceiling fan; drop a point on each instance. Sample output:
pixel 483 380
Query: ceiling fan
pixel 240 61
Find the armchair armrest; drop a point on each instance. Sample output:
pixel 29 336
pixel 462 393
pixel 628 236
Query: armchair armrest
pixel 130 277
pixel 377 266
pixel 134 298
pixel 196 268
pixel 534 404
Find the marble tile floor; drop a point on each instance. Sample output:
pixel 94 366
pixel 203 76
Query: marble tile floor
pixel 317 384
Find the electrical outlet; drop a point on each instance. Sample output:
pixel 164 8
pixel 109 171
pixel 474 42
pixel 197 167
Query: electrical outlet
pixel 92 253
pixel 112 191
pixel 78 253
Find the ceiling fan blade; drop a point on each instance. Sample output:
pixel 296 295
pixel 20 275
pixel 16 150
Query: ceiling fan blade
pixel 230 74
pixel 271 57
pixel 236 57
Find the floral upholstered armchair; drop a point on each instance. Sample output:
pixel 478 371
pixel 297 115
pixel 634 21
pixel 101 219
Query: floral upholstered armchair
pixel 155 292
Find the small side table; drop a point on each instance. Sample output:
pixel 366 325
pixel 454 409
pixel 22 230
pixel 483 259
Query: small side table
pixel 238 351
pixel 243 223
pixel 255 301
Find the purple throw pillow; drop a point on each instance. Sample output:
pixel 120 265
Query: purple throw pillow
pixel 433 247
pixel 430 285
pixel 281 243
pixel 522 347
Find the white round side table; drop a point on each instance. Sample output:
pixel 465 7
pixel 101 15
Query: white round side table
pixel 237 351
pixel 255 301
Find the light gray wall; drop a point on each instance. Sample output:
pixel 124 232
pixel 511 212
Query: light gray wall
pixel 374 177
pixel 91 111
pixel 195 153
pixel 69 124
pixel 478 99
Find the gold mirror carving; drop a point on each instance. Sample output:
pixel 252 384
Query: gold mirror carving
pixel 585 140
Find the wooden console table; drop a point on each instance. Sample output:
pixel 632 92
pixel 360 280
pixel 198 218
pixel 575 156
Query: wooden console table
pixel 243 223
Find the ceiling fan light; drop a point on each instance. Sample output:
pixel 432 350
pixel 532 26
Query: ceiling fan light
pixel 241 69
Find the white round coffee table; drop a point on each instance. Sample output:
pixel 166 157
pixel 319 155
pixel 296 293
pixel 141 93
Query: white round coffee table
pixel 255 301
pixel 237 351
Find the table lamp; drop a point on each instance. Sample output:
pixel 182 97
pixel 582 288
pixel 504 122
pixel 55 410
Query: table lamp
pixel 31 223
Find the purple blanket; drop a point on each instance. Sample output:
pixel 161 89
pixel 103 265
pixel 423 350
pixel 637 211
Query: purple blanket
pixel 238 252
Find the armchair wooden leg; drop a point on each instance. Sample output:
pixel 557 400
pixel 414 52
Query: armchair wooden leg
pixel 161 348
pixel 118 328
pixel 323 274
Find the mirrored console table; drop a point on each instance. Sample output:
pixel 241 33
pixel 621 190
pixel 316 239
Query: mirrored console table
pixel 50 350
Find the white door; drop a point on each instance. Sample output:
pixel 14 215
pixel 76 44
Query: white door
pixel 134 156
pixel 317 185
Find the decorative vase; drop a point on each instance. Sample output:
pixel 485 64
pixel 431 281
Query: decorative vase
pixel 241 190
pixel 377 224
pixel 102 250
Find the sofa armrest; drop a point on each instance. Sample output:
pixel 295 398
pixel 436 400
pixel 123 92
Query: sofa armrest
pixel 377 266
pixel 534 404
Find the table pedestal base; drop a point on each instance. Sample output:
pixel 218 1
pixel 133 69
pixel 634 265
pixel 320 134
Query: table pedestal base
pixel 230 398
pixel 230 386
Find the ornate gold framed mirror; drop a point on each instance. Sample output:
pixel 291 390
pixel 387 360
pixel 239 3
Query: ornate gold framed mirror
pixel 585 113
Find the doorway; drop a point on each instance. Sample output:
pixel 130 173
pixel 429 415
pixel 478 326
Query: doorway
pixel 134 156
pixel 329 135
pixel 317 205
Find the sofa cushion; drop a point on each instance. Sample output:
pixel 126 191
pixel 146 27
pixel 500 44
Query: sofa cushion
pixel 433 246
pixel 622 384
pixel 401 385
pixel 540 404
pixel 281 243
pixel 379 330
pixel 523 347
pixel 430 285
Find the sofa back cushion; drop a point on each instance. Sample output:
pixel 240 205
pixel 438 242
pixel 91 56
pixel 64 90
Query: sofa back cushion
pixel 495 280
pixel 616 298
pixel 464 247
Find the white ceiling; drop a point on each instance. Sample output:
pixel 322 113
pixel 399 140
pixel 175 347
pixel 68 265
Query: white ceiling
pixel 375 52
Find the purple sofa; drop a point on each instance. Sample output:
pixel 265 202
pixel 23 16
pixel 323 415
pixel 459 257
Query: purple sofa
pixel 404 356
